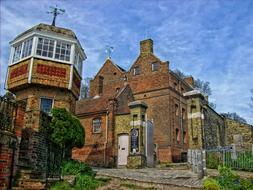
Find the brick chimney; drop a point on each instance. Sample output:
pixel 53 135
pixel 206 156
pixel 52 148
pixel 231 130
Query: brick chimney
pixel 146 46
pixel 189 80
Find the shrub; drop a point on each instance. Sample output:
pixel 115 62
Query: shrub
pixel 61 185
pixel 73 167
pixel 86 182
pixel 213 161
pixel 211 184
pixel 228 179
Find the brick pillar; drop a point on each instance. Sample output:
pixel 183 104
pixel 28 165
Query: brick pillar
pixel 6 158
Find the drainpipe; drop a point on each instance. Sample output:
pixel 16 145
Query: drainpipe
pixel 106 136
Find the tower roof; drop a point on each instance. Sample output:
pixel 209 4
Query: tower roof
pixel 48 28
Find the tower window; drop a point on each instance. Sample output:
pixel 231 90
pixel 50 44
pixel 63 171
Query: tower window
pixel 154 66
pixel 45 47
pixel 62 51
pixel 137 70
pixel 27 48
pixel 46 105
pixel 96 125
pixel 78 62
pixel 17 52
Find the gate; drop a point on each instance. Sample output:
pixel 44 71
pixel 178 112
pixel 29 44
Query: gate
pixel 230 157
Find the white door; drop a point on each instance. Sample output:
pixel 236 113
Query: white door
pixel 122 150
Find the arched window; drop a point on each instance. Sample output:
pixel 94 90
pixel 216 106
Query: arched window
pixel 96 125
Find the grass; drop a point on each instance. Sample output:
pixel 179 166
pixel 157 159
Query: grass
pixel 133 186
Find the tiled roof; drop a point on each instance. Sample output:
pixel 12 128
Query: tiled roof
pixel 91 105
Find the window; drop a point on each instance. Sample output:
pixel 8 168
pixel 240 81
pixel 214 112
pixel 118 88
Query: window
pixel 78 62
pixel 135 116
pixel 45 47
pixel 143 118
pixel 100 85
pixel 137 70
pixel 27 48
pixel 154 66
pixel 96 125
pixel 177 135
pixel 183 113
pixel 184 137
pixel 175 85
pixel 176 109
pixel 17 52
pixel 46 105
pixel 62 51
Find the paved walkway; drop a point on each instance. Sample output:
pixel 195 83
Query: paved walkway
pixel 182 178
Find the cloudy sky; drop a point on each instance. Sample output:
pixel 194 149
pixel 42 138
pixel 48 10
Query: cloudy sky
pixel 209 39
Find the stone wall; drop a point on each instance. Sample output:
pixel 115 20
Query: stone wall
pixel 214 129
pixel 242 129
pixel 207 128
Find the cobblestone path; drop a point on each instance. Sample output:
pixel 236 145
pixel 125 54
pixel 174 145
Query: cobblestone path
pixel 153 177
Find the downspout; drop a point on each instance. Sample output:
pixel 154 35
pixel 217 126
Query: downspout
pixel 106 136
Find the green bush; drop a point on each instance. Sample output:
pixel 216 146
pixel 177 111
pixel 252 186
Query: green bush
pixel 211 184
pixel 73 167
pixel 61 185
pixel 227 180
pixel 86 182
pixel 213 161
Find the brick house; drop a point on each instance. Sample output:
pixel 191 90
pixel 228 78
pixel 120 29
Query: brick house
pixel 149 80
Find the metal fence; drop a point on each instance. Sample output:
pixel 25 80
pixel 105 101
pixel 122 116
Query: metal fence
pixel 230 157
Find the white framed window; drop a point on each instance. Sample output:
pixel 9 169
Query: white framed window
pixel 27 47
pixel 78 62
pixel 154 66
pixel 17 52
pixel 62 51
pixel 96 125
pixel 46 105
pixel 137 70
pixel 45 47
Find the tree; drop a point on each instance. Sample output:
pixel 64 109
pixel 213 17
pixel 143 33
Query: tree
pixel 65 130
pixel 85 88
pixel 234 116
pixel 203 86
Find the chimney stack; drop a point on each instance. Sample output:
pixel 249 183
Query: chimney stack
pixel 146 46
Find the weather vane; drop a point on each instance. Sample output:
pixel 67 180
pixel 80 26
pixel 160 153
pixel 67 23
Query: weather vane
pixel 108 51
pixel 55 11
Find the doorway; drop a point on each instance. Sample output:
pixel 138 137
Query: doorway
pixel 122 149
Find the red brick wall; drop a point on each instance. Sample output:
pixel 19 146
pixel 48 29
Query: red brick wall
pixel 93 150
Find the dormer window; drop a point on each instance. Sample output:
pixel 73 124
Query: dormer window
pixel 154 66
pixel 137 70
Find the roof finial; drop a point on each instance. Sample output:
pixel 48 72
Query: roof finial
pixel 108 51
pixel 55 11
